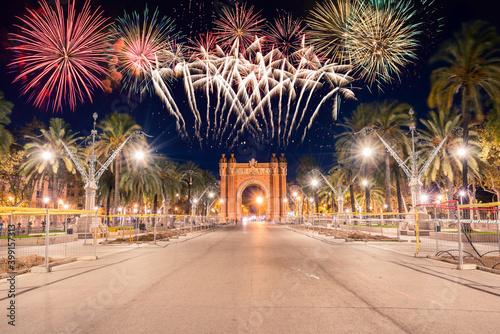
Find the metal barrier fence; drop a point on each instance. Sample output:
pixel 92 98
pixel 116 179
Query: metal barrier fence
pixel 465 233
pixel 36 236
pixel 355 225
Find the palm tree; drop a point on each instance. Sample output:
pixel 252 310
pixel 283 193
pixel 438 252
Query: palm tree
pixel 442 169
pixel 192 178
pixel 391 116
pixel 5 136
pixel 49 142
pixel 305 166
pixel 354 140
pixel 170 174
pixel 471 68
pixel 345 171
pixel 117 127
pixel 142 182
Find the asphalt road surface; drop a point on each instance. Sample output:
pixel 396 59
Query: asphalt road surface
pixel 258 278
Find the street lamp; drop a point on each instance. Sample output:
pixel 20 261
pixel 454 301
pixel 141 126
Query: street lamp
pixel 46 155
pixel 259 202
pixel 367 151
pixel 139 155
pixel 46 200
pixel 462 194
pixel 423 198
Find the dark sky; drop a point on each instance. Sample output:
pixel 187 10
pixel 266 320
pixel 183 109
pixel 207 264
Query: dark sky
pixel 196 16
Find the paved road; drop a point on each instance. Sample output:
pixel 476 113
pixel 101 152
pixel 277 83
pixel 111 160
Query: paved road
pixel 258 278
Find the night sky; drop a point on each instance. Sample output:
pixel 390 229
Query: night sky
pixel 195 16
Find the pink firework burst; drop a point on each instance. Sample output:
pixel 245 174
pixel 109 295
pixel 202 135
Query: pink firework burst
pixel 61 58
pixel 285 34
pixel 239 24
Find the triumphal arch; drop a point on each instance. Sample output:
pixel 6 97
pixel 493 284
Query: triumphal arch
pixel 236 177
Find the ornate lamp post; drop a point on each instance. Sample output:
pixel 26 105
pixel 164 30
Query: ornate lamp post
pixel 339 192
pixel 90 175
pixel 413 172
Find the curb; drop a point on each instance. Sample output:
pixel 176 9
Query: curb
pixel 40 269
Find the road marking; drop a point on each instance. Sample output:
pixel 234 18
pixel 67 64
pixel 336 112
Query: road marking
pixel 404 294
pixel 318 254
pixel 337 262
pixel 361 274
pixel 306 248
pixel 307 274
pixel 431 301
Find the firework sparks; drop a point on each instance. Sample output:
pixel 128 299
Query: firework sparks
pixel 249 87
pixel 286 35
pixel 142 43
pixel 60 57
pixel 239 24
pixel 376 37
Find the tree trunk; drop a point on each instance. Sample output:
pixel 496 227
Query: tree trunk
pixel 55 194
pixel 189 198
pixel 367 191
pixel 117 185
pixel 108 205
pixel 465 167
pixel 351 194
pixel 398 194
pixel 388 182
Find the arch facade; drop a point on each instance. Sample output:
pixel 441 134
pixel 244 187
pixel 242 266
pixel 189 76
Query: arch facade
pixel 236 177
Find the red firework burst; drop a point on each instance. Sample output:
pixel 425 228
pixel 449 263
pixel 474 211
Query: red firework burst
pixel 286 34
pixel 239 24
pixel 60 57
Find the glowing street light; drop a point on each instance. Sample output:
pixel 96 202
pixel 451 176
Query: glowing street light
pixel 424 198
pixel 364 182
pixel 259 201
pixel 46 155
pixel 367 151
pixel 66 206
pixel 314 182
pixel 139 155
pixel 461 194
pixel 462 152
pixel 46 200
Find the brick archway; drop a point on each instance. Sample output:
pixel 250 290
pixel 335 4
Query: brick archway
pixel 236 177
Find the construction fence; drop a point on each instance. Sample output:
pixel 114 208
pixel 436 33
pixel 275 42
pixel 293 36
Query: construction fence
pixel 37 236
pixel 465 233
pixel 356 225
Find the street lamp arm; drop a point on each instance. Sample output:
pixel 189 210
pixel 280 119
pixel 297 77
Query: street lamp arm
pixel 115 154
pixel 395 156
pixel 433 155
pixel 316 172
pixel 347 187
pixel 77 164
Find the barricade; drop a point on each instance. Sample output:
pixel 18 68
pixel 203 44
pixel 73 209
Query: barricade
pixel 468 234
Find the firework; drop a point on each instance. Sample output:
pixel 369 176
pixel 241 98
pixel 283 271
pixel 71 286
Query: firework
pixel 255 92
pixel 377 37
pixel 286 35
pixel 60 58
pixel 239 24
pixel 144 43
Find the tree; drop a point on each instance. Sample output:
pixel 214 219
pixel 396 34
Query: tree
pixel 49 142
pixel 471 68
pixel 192 178
pixel 5 136
pixel 117 127
pixel 354 140
pixel 306 165
pixel 443 167
pixel 390 117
